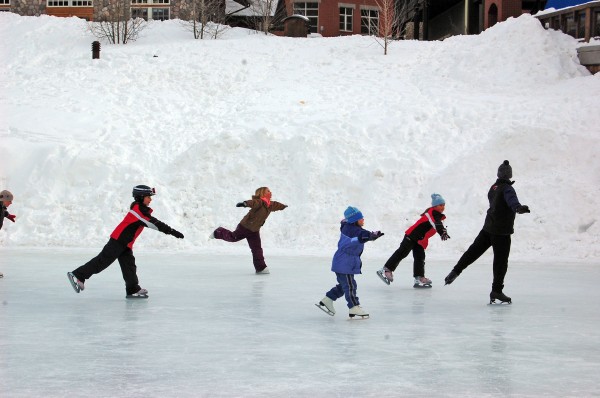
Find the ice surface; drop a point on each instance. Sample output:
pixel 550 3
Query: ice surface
pixel 212 328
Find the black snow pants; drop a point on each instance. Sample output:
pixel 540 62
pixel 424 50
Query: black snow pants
pixel 501 246
pixel 114 250
pixel 406 246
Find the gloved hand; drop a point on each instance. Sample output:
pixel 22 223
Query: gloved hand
pixel 445 235
pixel 176 234
pixel 375 235
pixel 11 217
pixel 241 204
pixel 523 209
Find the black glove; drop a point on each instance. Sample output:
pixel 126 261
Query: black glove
pixel 523 209
pixel 445 235
pixel 241 204
pixel 176 234
pixel 375 235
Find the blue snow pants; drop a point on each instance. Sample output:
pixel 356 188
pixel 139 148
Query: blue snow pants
pixel 346 287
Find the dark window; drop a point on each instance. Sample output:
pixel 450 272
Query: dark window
pixel 369 22
pixel 346 19
pixel 311 11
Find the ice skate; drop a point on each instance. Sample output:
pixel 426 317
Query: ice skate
pixel 451 277
pixel 499 296
pixel 1 275
pixel 264 271
pixel 386 275
pixel 326 305
pixel 211 236
pixel 76 283
pixel 141 294
pixel 422 282
pixel 358 311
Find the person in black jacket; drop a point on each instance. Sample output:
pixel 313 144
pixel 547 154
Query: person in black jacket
pixel 6 199
pixel 497 228
pixel 120 245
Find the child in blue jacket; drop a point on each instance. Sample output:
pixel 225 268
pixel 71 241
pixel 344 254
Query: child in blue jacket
pixel 347 263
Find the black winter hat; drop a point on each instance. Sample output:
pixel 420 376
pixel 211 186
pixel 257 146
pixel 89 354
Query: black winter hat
pixel 505 171
pixel 139 191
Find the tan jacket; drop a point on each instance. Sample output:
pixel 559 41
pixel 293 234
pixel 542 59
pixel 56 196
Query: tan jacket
pixel 259 213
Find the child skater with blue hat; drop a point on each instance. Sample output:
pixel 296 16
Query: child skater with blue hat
pixel 347 263
pixel 416 239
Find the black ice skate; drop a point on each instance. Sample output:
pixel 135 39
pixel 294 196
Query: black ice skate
pixel 451 277
pixel 499 296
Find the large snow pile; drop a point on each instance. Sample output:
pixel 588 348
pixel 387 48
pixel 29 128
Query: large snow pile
pixel 324 122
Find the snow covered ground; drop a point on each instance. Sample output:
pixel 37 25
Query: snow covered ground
pixel 212 328
pixel 324 122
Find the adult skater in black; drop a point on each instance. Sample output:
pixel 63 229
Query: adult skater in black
pixel 120 245
pixel 497 228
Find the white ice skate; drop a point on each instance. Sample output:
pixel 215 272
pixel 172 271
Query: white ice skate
pixel 326 305
pixel 358 311
pixel 386 275
pixel 141 294
pixel 263 272
pixel 422 282
pixel 76 283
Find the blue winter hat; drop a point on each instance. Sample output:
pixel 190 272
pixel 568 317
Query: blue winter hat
pixel 352 214
pixel 436 200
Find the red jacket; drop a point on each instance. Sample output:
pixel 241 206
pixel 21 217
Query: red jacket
pixel 134 222
pixel 426 226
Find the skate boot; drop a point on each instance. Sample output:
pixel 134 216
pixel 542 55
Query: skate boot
pixel 76 283
pixel 451 277
pixel 499 296
pixel 263 271
pixel 1 275
pixel 358 311
pixel 422 282
pixel 386 275
pixel 326 305
pixel 141 294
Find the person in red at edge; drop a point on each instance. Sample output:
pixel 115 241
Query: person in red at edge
pixel 261 207
pixel 6 199
pixel 120 245
pixel 416 239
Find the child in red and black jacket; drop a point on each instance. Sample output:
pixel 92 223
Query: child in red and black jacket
pixel 120 245
pixel 416 239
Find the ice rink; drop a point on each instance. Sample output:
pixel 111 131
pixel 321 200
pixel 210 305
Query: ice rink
pixel 212 328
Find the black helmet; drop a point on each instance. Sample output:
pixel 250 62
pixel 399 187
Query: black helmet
pixel 140 191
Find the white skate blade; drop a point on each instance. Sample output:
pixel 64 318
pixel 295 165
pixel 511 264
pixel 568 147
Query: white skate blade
pixel 325 310
pixel 383 278
pixel 136 296
pixel 73 283
pixel 493 302
pixel 354 316
pixel 425 286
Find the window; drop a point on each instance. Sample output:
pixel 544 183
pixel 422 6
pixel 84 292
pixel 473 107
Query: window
pixel 311 11
pixel 346 19
pixel 69 3
pixel 139 13
pixel 4 2
pixel 581 25
pixel 596 30
pixel 570 27
pixel 369 22
pixel 160 14
pixel 150 13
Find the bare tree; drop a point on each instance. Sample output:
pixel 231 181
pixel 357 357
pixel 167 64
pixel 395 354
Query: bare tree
pixel 204 17
pixel 265 15
pixel 115 23
pixel 393 18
